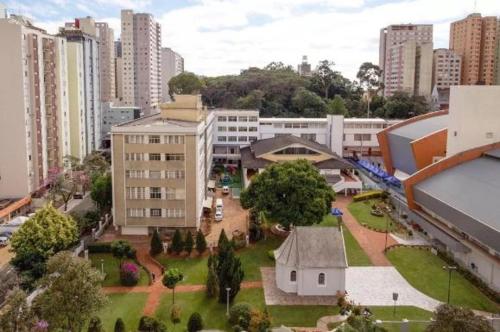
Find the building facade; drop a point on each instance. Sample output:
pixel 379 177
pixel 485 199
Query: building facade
pixel 141 56
pixel 447 68
pixel 34 98
pixel 304 68
pixel 106 61
pixel 474 38
pixel 172 64
pixel 161 165
pixel 405 58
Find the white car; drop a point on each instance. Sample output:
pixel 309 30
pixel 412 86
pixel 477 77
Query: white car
pixel 225 190
pixel 3 241
pixel 219 215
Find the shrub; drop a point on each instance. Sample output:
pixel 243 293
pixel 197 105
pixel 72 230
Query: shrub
pixel 367 195
pixel 259 320
pixel 212 284
pixel 149 324
pixel 240 314
pixel 129 274
pixel 119 326
pixel 175 314
pixel 177 243
pixel 195 322
pixel 95 325
pixel 121 249
pixel 270 254
pixel 99 247
pixel 201 243
pixel 156 244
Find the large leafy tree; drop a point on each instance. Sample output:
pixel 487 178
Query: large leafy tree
pixel 325 76
pixel 72 292
pixel 15 314
pixel 337 106
pixel 370 78
pixel 290 193
pixel 403 106
pixel 308 104
pixel 454 319
pixel 185 84
pixel 41 236
pixel 101 192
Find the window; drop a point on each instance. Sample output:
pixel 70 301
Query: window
pixel 293 276
pixel 321 279
pixel 310 137
pixel 253 129
pixel 242 139
pixel 232 129
pixel 242 128
pixel 242 119
pixel 221 118
pixel 296 150
pixel 155 192
pixel 155 174
pixel 134 174
pixel 174 156
pixel 252 138
pixel 252 119
pixel 154 139
pixel 175 213
pixel 136 213
pixel 135 192
pixel 232 118
pixel 232 139
pixel 155 213
pixel 134 156
pixel 362 137
pixel 170 193
pixel 134 139
pixel 174 139
pixel 154 156
pixel 222 128
pixel 221 138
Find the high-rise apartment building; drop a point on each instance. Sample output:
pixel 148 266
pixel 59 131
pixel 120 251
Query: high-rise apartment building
pixel 172 64
pixel 84 86
pixel 106 61
pixel 161 164
pixel 141 54
pixel 497 60
pixel 34 100
pixel 405 57
pixel 475 39
pixel 447 66
pixel 304 68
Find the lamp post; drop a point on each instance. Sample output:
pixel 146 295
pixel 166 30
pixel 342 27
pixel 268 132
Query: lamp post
pixel 395 299
pixel 102 266
pixel 228 289
pixel 449 268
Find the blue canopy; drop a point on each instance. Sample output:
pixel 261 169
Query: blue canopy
pixel 336 212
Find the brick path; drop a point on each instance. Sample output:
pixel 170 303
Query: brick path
pixel 373 243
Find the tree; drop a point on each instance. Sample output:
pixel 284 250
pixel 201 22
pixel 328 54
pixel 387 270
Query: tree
pixel 259 321
pixel 195 322
pixel 290 193
pixel 325 76
pixel 201 242
pixel 15 314
pixel 240 315
pixel 185 83
pixel 337 106
pixel 122 249
pixel 308 104
pixel 177 243
pixel 223 240
pixel 41 236
pixel 119 326
pixel 72 294
pixel 188 243
pixel 149 324
pixel 403 106
pixel 156 244
pixel 170 280
pixel 455 319
pixel 95 164
pixel 212 284
pixel 95 325
pixel 229 272
pixel 101 192
pixel 175 314
pixel 370 78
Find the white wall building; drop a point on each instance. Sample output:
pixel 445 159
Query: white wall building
pixel 172 64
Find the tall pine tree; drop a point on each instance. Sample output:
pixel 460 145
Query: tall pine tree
pixel 229 270
pixel 188 243
pixel 201 242
pixel 156 244
pixel 177 243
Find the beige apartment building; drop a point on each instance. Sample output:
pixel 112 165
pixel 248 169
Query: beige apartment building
pixel 34 130
pixel 447 67
pixel 106 61
pixel 405 57
pixel 141 56
pixel 161 165
pixel 475 39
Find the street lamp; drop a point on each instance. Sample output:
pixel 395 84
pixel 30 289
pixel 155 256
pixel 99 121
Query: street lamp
pixel 449 268
pixel 102 266
pixel 395 299
pixel 228 289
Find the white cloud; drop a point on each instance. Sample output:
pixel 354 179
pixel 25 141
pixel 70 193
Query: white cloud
pixel 216 37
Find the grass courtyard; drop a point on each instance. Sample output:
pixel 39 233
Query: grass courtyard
pixel 361 211
pixel 112 270
pixel 425 272
pixel 127 306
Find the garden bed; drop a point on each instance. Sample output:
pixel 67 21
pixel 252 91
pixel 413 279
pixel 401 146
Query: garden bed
pixel 112 269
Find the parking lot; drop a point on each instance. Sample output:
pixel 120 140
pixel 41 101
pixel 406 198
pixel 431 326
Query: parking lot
pixel 235 218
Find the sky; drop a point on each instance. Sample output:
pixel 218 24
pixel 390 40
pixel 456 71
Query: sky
pixel 218 37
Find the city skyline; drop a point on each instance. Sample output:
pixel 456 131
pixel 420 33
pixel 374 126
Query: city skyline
pixel 258 33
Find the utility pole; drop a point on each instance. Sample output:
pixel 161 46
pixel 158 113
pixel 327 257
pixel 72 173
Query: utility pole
pixel 450 268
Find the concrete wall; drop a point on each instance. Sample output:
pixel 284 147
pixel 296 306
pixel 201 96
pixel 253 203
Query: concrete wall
pixel 474 113
pixel 308 281
pixel 428 147
pixel 283 279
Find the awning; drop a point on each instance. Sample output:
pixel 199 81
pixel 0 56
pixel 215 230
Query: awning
pixel 211 184
pixel 207 202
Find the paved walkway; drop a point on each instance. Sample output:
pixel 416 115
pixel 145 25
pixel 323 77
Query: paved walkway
pixel 374 285
pixel 416 240
pixel 373 243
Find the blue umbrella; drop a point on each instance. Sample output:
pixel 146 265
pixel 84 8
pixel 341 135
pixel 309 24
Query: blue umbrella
pixel 336 212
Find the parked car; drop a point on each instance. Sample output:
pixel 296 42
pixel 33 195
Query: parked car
pixel 6 234
pixel 3 241
pixel 218 203
pixel 219 215
pixel 225 190
pixel 78 195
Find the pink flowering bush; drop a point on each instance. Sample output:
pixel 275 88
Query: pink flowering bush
pixel 129 274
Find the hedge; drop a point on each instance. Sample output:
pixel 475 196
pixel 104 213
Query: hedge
pixel 367 195
pixel 99 247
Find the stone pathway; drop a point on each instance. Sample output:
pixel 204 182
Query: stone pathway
pixel 374 285
pixel 373 243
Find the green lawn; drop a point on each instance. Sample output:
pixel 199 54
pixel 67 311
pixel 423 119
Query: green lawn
pixel 112 270
pixel 214 313
pixel 361 211
pixel 127 306
pixel 410 313
pixel 252 258
pixel 355 254
pixel 424 271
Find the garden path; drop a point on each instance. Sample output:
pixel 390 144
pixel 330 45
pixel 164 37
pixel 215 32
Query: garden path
pixel 373 243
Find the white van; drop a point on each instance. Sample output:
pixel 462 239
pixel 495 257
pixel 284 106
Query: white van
pixel 218 203
pixel 219 215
